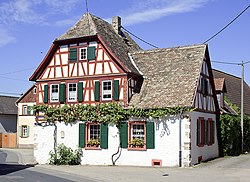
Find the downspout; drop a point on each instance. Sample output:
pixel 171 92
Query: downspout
pixel 180 141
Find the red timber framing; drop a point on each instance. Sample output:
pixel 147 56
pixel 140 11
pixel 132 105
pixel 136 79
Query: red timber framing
pixel 57 68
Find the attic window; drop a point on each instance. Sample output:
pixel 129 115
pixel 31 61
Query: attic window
pixel 83 53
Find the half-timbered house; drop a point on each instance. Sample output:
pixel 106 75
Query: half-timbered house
pixel 96 62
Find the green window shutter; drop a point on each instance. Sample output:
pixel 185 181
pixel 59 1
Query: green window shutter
pixel 28 131
pixel 97 91
pixel 28 110
pixel 91 53
pixel 116 90
pixel 46 93
pixel 20 131
pixel 104 136
pixel 80 92
pixel 62 92
pixel 150 135
pixel 72 54
pixel 82 135
pixel 124 135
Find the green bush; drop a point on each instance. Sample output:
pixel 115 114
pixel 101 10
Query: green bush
pixel 231 134
pixel 65 156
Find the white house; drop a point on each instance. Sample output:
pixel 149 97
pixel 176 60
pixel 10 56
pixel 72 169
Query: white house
pixel 95 62
pixel 26 118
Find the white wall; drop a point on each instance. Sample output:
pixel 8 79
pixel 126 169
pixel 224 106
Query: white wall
pixel 29 120
pixel 166 145
pixel 206 152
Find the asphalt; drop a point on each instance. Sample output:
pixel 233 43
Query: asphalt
pixel 230 169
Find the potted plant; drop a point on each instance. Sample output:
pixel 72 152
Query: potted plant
pixel 93 143
pixel 136 143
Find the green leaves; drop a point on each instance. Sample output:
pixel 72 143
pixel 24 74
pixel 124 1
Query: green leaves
pixel 111 113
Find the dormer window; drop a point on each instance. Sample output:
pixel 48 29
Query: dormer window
pixel 83 53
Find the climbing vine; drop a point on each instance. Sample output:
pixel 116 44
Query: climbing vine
pixel 111 113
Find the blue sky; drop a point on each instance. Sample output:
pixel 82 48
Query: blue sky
pixel 28 28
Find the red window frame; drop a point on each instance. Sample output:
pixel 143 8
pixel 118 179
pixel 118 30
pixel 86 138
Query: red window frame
pixel 130 134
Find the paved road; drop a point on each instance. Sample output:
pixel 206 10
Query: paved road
pixel 12 169
pixel 229 169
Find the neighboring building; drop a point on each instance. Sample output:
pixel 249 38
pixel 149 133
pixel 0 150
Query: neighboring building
pixel 8 114
pixel 95 62
pixel 26 119
pixel 233 87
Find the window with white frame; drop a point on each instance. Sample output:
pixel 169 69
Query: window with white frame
pixel 24 131
pixel 83 53
pixel 72 93
pixel 25 109
pixel 137 131
pixel 54 93
pixel 107 90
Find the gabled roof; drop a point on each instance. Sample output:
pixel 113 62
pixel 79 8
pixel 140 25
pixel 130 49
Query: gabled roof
pixel 90 26
pixel 220 84
pixel 119 45
pixel 26 93
pixel 170 76
pixel 233 85
pixel 7 105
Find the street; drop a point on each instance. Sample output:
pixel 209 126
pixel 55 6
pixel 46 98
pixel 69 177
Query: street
pixel 230 169
pixel 11 170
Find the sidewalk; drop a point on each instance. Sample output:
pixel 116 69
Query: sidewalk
pixel 25 156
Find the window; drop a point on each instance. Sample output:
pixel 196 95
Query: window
pixel 72 93
pixel 106 90
pixel 34 90
pixel 137 135
pixel 54 94
pixel 211 131
pixel 25 110
pixel 205 132
pixel 83 53
pixel 204 86
pixel 93 135
pixel 200 132
pixel 24 131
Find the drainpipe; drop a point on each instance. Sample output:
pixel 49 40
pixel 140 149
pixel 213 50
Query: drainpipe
pixel 180 141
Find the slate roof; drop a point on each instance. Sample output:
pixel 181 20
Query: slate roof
pixel 119 45
pixel 233 85
pixel 170 76
pixel 7 105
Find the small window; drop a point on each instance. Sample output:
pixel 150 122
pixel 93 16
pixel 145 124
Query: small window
pixel 200 132
pixel 93 135
pixel 72 93
pixel 54 94
pixel 24 131
pixel 34 90
pixel 25 110
pixel 137 135
pixel 106 90
pixel 83 53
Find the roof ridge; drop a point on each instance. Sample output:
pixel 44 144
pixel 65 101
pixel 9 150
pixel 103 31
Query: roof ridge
pixel 168 48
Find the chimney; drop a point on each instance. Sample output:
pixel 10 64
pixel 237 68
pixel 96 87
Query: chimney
pixel 116 23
